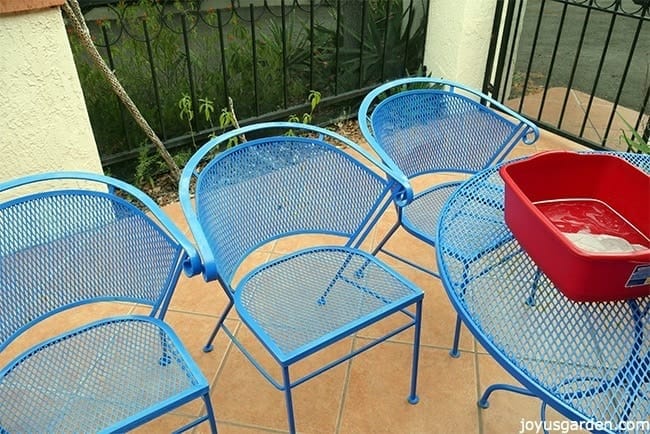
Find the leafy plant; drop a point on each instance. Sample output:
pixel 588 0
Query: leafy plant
pixel 187 113
pixel 314 99
pixel 182 157
pixel 387 44
pixel 227 120
pixel 154 46
pixel 206 107
pixel 281 53
pixel 634 141
pixel 149 165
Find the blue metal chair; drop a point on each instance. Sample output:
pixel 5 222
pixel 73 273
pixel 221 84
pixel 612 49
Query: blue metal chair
pixel 420 126
pixel 67 240
pixel 312 181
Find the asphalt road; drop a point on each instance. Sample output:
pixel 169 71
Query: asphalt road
pixel 598 65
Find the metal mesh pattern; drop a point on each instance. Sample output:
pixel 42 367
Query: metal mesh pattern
pixel 592 356
pixel 92 379
pixel 427 130
pixel 325 290
pixel 421 215
pixel 639 160
pixel 61 248
pixel 277 186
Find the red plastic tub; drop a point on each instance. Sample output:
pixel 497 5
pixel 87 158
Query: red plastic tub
pixel 602 203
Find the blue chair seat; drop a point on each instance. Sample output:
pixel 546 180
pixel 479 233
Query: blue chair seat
pixel 340 291
pixel 110 373
pixel 420 217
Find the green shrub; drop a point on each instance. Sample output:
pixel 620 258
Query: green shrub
pixel 171 53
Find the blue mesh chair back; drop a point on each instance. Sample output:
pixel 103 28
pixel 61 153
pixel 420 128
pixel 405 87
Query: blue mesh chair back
pixel 283 185
pixel 69 239
pixel 309 181
pixel 421 126
pixel 438 130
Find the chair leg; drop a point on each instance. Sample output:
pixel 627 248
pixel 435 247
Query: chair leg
pixel 322 300
pixel 454 348
pixel 208 345
pixel 413 397
pixel 210 412
pixel 533 290
pixel 484 403
pixel 288 399
pixel 361 271
pixel 389 234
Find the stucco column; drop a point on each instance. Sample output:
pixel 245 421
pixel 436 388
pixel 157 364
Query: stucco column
pixel 458 39
pixel 44 124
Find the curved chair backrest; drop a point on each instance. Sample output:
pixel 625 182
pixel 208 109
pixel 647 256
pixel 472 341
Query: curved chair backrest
pixel 63 245
pixel 277 185
pixel 426 125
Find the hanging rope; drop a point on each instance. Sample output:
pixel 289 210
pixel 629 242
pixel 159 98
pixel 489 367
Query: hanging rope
pixel 73 11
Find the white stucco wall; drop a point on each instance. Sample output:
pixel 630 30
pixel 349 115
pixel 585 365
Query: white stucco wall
pixel 458 39
pixel 44 124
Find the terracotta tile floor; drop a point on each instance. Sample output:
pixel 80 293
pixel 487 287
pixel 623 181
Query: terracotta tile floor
pixel 368 394
pixel 581 115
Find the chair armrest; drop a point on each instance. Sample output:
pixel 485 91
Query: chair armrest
pixel 207 264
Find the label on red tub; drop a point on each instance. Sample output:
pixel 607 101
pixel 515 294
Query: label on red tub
pixel 640 276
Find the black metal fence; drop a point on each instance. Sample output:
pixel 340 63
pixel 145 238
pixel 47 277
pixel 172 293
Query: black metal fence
pixel 181 61
pixel 580 66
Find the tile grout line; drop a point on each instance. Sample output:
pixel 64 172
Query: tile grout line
pixel 344 392
pixel 226 354
pixel 213 382
pixel 589 123
pixel 190 312
pixel 477 376
pixel 257 428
